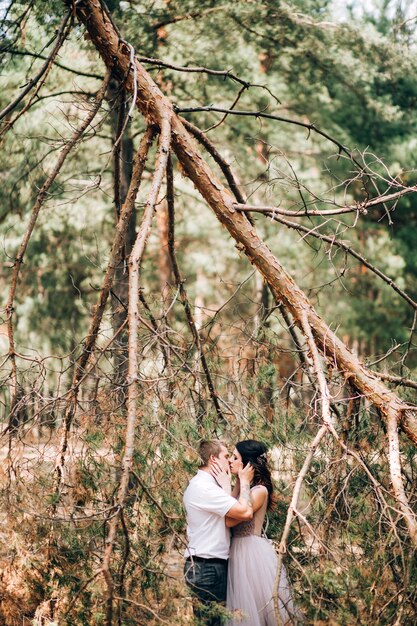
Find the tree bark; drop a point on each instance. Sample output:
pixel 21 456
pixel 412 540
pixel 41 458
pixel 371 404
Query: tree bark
pixel 123 167
pixel 154 106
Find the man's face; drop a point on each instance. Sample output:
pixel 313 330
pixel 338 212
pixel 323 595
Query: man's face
pixel 223 458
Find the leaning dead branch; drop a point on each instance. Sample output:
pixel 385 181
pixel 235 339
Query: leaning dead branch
pixel 41 197
pixel 323 431
pixel 133 321
pixel 115 256
pixel 183 293
pixel 154 105
pixel 397 479
pixel 61 36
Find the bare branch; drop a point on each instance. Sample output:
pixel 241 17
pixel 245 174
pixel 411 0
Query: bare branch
pixel 133 321
pixel 45 67
pixel 398 380
pixel 310 232
pixel 396 477
pixel 359 207
pixel 115 256
pixel 212 150
pixel 205 70
pixel 35 212
pixel 269 116
pixel 194 70
pixel 183 292
pixel 15 51
pixel 323 431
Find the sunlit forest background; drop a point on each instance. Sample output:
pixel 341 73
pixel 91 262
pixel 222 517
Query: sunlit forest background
pixel 327 95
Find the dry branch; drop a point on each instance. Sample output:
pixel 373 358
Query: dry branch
pixel 41 81
pixel 324 429
pixel 61 35
pixel 311 232
pixel 133 321
pixel 41 197
pixel 15 51
pixel 115 256
pixel 183 293
pixel 269 116
pixel 359 207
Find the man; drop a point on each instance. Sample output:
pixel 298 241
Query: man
pixel 207 504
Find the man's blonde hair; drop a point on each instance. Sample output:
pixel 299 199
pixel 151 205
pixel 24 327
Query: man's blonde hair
pixel 209 447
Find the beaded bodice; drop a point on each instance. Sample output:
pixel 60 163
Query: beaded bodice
pixel 253 526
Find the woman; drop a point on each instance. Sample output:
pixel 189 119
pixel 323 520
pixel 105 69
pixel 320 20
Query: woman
pixel 253 561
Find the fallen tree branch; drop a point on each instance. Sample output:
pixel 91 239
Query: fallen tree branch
pixel 40 199
pixel 115 256
pixel 183 293
pixel 45 68
pixel 358 207
pixel 154 104
pixel 133 321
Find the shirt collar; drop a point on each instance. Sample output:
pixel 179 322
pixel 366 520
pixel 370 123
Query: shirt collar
pixel 206 476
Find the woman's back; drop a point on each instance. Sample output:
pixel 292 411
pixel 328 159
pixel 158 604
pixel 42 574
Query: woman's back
pixel 255 525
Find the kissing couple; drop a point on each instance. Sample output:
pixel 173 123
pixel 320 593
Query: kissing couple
pixel 229 560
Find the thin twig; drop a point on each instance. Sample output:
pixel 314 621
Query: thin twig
pixel 41 197
pixel 60 38
pixel 183 293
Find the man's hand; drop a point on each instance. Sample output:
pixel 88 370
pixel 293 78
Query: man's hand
pixel 222 477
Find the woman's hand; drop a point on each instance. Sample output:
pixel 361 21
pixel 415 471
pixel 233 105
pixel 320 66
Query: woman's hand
pixel 246 474
pixel 222 477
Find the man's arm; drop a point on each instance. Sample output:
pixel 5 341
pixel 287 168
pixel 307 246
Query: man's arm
pixel 258 497
pixel 243 510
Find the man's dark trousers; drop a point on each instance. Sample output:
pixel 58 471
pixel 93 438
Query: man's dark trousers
pixel 207 579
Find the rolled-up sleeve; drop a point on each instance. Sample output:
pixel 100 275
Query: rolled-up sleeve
pixel 215 500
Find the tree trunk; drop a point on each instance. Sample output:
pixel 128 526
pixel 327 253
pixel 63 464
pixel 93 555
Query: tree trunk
pixel 123 167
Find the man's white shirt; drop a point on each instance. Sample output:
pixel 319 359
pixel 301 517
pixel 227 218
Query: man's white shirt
pixel 207 505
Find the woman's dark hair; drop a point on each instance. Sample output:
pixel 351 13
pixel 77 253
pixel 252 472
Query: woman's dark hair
pixel 254 452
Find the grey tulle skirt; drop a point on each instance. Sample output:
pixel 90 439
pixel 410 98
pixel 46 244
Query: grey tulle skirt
pixel 250 583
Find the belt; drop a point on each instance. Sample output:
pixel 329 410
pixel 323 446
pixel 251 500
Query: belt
pixel 201 559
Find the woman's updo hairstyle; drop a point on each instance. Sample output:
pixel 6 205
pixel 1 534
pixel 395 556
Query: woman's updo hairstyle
pixel 255 453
